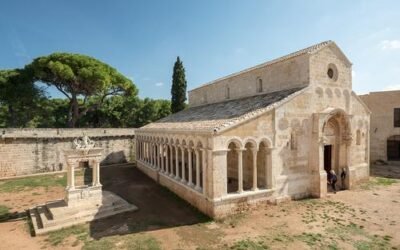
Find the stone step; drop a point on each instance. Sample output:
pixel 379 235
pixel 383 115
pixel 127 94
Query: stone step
pixel 82 213
pixel 36 220
pixel 86 216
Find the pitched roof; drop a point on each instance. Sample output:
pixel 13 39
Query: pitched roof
pixel 309 50
pixel 217 116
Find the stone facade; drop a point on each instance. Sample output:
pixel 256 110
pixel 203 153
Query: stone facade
pixel 265 134
pixel 30 151
pixel 383 128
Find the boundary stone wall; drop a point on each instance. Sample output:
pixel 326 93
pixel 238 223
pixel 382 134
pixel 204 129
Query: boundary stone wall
pixel 31 151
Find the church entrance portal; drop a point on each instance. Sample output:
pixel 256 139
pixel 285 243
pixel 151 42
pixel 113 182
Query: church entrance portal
pixel 328 158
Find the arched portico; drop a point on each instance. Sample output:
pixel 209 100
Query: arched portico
pixel 248 165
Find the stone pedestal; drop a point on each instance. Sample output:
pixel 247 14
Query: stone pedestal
pixel 78 196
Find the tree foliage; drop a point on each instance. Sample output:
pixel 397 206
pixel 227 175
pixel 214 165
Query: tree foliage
pixel 18 95
pixel 80 77
pixel 96 96
pixel 116 112
pixel 178 89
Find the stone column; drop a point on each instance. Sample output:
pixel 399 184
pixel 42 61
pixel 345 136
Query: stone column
pixel 157 154
pixel 171 160
pixel 183 178
pixel 240 170
pixel 151 154
pixel 141 150
pixel 154 148
pixel 254 150
pixel 269 175
pixel 138 149
pixel 190 166
pixel 145 151
pixel 203 167
pixel 71 172
pixel 96 169
pixel 176 163
pixel 68 175
pixel 94 173
pixel 166 159
pixel 148 152
pixel 162 157
pixel 196 151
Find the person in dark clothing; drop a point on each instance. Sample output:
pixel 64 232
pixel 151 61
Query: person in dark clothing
pixel 332 179
pixel 343 177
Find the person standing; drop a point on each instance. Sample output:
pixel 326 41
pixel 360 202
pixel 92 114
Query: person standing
pixel 343 177
pixel 332 178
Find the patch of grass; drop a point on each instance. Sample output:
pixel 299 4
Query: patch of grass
pixel 130 241
pixel 28 183
pixel 57 237
pixel 359 238
pixel 385 181
pixel 201 235
pixel 377 181
pixel 310 239
pixel 249 245
pixel 4 212
pixel 233 220
pixel 82 234
pixel 102 244
pixel 141 242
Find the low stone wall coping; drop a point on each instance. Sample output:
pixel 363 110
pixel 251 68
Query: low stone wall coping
pixel 15 133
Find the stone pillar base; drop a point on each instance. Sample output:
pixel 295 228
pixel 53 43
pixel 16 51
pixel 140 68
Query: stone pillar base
pixel 79 195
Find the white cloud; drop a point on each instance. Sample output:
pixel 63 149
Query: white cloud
pixel 392 87
pixel 353 74
pixel 390 44
pixel 159 84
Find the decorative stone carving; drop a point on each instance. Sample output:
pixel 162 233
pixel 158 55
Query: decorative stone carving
pixel 84 143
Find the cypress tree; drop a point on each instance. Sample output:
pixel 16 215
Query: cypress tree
pixel 178 89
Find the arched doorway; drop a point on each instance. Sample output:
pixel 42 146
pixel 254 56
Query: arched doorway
pixel 331 133
pixel 393 148
pixel 334 142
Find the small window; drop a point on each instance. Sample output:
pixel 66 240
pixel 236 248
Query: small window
pixel 293 141
pixel 396 117
pixel 228 93
pixel 259 85
pixel 332 72
pixel 358 137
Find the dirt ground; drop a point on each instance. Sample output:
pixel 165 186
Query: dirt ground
pixel 365 218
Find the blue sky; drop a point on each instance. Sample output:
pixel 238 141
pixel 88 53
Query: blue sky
pixel 213 38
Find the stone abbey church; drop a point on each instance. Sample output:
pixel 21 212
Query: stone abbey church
pixel 264 134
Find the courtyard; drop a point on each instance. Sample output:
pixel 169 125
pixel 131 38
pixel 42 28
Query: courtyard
pixel 363 218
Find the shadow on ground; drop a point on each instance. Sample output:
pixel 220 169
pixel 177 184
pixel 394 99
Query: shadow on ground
pixel 158 207
pixel 386 171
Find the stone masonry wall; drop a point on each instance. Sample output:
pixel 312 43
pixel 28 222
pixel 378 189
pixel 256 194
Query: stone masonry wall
pixel 287 74
pixel 30 151
pixel 382 106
